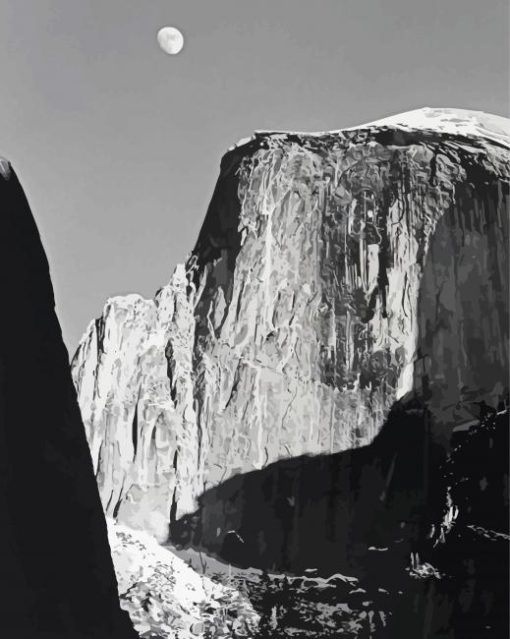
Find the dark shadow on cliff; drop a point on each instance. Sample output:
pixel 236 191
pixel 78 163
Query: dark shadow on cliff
pixel 382 513
pixel 325 511
pixel 57 575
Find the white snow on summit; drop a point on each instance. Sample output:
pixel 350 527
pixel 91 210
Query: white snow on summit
pixel 451 121
pixel 471 124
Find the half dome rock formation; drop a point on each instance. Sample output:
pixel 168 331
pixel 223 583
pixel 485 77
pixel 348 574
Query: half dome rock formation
pixel 57 576
pixel 335 274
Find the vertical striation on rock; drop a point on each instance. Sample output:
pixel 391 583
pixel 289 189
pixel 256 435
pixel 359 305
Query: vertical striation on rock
pixel 57 578
pixel 334 274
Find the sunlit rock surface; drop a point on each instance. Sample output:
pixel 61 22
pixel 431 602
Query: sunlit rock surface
pixel 334 273
pixel 168 599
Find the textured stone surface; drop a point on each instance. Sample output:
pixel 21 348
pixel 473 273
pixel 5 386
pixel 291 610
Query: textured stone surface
pixel 334 274
pixel 169 600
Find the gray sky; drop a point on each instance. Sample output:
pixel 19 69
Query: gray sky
pixel 118 145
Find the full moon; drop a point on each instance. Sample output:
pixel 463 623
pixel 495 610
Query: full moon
pixel 171 40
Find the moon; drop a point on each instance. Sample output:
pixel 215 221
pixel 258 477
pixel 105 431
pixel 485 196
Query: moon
pixel 171 40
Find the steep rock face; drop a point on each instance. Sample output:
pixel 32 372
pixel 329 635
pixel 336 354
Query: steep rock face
pixel 334 274
pixel 57 575
pixel 141 426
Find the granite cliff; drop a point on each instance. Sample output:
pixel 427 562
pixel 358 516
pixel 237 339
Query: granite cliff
pixel 57 577
pixel 335 274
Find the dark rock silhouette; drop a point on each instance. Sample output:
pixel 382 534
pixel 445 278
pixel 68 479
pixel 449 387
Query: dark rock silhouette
pixel 57 577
